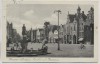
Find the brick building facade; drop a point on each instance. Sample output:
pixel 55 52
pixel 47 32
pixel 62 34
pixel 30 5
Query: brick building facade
pixel 80 27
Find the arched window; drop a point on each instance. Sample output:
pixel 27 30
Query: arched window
pixel 79 28
pixel 71 28
pixel 74 28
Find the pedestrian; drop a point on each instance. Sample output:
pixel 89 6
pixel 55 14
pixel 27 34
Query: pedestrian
pixel 44 42
pixel 82 46
pixel 44 47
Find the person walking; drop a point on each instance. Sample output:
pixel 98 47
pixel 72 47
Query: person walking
pixel 44 42
pixel 44 47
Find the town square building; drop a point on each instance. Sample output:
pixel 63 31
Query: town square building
pixel 79 27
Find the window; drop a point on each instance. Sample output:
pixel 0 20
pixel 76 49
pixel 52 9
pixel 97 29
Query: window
pixel 74 28
pixel 82 34
pixel 71 28
pixel 79 28
pixel 82 23
pixel 82 28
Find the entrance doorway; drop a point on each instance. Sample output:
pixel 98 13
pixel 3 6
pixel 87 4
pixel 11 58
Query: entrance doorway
pixel 74 39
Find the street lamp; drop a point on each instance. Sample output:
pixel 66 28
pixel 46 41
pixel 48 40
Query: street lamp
pixel 59 12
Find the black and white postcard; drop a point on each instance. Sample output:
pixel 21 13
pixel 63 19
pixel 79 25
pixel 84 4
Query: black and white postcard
pixel 50 31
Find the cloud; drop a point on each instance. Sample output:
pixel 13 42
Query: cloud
pixel 18 23
pixel 32 21
pixel 53 19
pixel 29 13
pixel 31 16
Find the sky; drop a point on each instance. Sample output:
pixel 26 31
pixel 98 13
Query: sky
pixel 34 15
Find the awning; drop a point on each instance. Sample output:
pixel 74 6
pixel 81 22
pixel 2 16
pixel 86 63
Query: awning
pixel 80 39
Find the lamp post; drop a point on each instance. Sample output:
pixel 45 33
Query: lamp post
pixel 59 12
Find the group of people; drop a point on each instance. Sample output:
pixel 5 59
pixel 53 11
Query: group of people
pixel 23 46
pixel 15 46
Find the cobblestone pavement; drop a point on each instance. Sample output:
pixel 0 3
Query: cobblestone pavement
pixel 67 50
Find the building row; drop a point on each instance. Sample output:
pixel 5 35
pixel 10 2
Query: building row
pixel 78 27
pixel 12 35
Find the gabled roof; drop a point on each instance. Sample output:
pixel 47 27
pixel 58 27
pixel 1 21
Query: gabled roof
pixel 84 16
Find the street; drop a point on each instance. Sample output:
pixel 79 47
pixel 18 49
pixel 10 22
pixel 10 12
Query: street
pixel 66 50
pixel 76 30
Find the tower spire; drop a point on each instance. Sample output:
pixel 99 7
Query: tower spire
pixel 79 9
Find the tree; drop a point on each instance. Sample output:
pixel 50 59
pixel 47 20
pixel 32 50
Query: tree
pixel 46 27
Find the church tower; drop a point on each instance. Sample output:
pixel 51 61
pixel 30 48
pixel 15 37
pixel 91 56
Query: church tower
pixel 78 10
